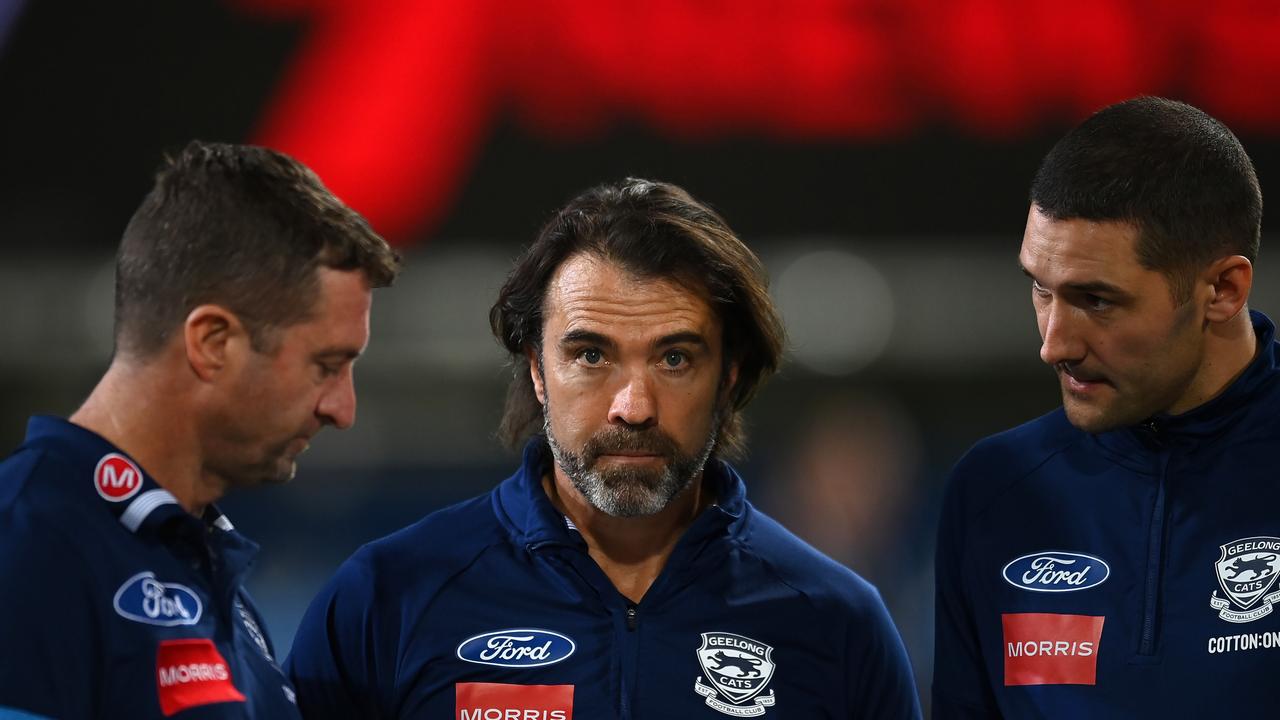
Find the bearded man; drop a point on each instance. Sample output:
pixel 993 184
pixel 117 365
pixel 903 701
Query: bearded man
pixel 620 573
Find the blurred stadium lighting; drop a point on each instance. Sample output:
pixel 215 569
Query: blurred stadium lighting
pixel 391 101
pixel 98 301
pixel 838 308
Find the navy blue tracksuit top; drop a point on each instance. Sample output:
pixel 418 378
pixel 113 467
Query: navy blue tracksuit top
pixel 1128 574
pixel 117 603
pixel 493 610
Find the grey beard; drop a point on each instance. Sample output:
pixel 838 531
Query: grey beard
pixel 629 491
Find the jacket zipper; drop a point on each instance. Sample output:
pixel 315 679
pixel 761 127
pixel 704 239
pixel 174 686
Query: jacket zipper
pixel 627 669
pixel 1155 560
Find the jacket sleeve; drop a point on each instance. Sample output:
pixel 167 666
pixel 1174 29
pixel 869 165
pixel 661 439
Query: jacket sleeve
pixel 334 664
pixel 961 686
pixel 884 682
pixel 53 649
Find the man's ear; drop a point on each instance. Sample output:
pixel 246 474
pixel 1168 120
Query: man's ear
pixel 727 383
pixel 535 374
pixel 1231 278
pixel 213 337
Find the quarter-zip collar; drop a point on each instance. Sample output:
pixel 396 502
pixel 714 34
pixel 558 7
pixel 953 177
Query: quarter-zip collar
pixel 1234 405
pixel 148 510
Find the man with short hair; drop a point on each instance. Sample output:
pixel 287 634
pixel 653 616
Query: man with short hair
pixel 620 573
pixel 1118 557
pixel 243 290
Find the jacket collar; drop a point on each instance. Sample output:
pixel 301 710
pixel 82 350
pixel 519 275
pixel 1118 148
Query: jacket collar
pixel 1237 402
pixel 107 476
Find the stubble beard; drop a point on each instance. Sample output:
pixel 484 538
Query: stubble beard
pixel 629 491
pixel 1134 402
pixel 281 467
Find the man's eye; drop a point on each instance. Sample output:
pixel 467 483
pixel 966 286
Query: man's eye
pixel 591 356
pixel 1096 303
pixel 675 359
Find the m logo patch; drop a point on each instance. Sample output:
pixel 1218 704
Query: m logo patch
pixel 116 478
pixel 190 673
pixel 738 669
pixel 1247 573
pixel 1051 649
pixel 501 701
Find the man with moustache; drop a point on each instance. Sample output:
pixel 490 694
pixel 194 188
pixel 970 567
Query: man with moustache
pixel 1118 557
pixel 243 290
pixel 620 572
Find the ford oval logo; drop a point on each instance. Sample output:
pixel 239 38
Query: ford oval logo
pixel 520 648
pixel 147 600
pixel 1051 571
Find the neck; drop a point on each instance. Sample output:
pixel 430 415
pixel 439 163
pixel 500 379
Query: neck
pixel 1229 348
pixel 140 409
pixel 630 551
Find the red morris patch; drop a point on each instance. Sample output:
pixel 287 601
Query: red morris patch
pixel 1051 649
pixel 190 673
pixel 500 701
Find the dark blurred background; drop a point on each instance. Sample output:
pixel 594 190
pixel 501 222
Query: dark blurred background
pixel 875 153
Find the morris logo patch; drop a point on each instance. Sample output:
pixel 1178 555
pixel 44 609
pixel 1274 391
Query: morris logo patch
pixel 1247 572
pixel 145 599
pixel 191 672
pixel 504 701
pixel 1050 571
pixel 518 648
pixel 1051 648
pixel 738 669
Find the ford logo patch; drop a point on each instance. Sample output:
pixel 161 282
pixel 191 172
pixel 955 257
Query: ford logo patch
pixel 1051 571
pixel 520 648
pixel 147 600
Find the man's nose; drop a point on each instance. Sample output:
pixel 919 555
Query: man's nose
pixel 337 406
pixel 634 403
pixel 1059 334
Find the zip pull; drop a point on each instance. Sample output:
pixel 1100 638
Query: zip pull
pixel 632 619
pixel 1156 434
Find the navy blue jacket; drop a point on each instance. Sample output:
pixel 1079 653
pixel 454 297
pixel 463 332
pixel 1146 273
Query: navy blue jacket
pixel 492 609
pixel 1127 574
pixel 115 602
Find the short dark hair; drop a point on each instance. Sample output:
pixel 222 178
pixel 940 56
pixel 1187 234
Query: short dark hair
pixel 654 230
pixel 239 226
pixel 1178 175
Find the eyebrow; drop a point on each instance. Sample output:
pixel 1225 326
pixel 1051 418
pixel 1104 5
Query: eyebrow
pixel 337 353
pixel 1093 287
pixel 582 337
pixel 687 337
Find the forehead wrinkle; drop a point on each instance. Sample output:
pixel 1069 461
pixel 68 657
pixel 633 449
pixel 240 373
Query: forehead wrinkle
pixel 591 294
pixel 616 320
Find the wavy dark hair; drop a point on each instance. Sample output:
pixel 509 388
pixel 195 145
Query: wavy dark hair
pixel 654 230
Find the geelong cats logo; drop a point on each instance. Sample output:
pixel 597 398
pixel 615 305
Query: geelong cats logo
pixel 1247 573
pixel 738 669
